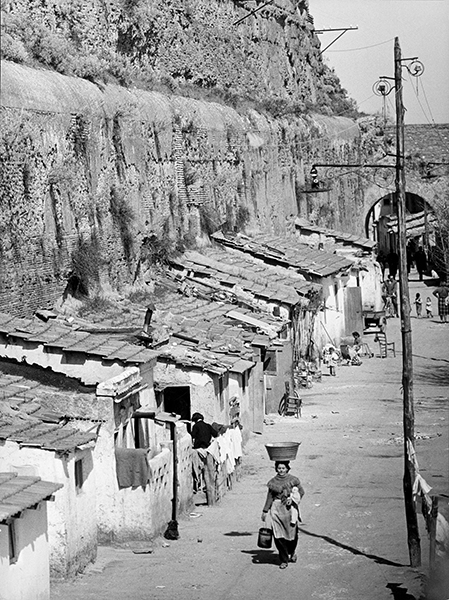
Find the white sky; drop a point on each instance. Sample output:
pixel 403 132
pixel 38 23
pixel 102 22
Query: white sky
pixel 422 27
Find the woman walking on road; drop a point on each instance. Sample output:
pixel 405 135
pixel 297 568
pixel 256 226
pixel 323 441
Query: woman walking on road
pixel 442 293
pixel 282 506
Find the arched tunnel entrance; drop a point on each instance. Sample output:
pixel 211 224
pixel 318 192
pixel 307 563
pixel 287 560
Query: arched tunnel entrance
pixel 381 225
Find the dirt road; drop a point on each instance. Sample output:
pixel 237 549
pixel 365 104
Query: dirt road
pixel 352 543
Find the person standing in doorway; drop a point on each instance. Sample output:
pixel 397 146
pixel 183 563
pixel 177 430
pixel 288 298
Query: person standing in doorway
pixel 282 505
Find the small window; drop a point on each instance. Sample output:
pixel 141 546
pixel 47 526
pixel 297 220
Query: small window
pixel 12 543
pixel 270 362
pixel 244 380
pixel 79 476
pixel 336 296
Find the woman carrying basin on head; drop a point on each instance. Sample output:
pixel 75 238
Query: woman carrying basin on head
pixel 282 505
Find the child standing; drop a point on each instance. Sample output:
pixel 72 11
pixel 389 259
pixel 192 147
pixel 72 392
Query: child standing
pixel 418 305
pixel 429 313
pixel 332 361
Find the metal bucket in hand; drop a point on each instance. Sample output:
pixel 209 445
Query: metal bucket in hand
pixel 265 537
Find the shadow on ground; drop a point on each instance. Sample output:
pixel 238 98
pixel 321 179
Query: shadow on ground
pixel 377 559
pixel 399 593
pixel 263 557
pixel 433 375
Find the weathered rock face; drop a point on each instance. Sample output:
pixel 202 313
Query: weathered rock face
pixel 95 181
pixel 271 57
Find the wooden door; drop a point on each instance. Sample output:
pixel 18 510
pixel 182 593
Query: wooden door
pixel 353 310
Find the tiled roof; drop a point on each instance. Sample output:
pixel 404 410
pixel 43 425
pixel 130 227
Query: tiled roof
pixel 287 252
pixel 54 334
pixel 37 399
pixel 42 416
pixel 31 431
pixel 339 236
pixel 18 493
pixel 263 281
pixel 202 334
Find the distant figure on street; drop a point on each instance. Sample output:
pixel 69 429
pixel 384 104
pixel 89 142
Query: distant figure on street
pixel 282 507
pixel 391 291
pixel 418 305
pixel 393 261
pixel 331 358
pixel 421 262
pixel 202 433
pixel 382 260
pixel 429 313
pixel 410 255
pixel 442 293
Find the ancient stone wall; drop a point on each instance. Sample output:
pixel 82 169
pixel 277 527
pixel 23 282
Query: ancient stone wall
pixel 271 57
pixel 97 180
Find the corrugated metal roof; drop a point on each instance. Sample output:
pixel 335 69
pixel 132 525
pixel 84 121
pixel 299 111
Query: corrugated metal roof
pixel 18 493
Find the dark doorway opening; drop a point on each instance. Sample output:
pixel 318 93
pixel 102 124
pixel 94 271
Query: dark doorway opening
pixel 177 400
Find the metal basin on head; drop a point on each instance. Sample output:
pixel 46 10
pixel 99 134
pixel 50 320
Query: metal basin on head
pixel 282 450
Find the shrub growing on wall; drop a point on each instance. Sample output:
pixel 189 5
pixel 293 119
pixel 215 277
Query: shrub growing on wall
pixel 123 217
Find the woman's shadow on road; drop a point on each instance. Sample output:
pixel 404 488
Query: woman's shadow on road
pixel 263 557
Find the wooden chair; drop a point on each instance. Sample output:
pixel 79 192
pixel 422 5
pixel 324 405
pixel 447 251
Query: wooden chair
pixel 290 403
pixel 384 345
pixel 293 406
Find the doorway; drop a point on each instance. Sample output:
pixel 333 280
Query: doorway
pixel 177 400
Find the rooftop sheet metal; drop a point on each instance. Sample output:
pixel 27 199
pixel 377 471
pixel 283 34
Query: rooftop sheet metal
pixel 55 334
pixel 339 236
pixel 286 252
pixel 17 493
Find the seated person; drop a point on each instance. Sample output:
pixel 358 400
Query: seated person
pixel 359 345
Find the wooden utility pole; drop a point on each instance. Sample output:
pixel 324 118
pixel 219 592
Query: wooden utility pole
pixel 413 540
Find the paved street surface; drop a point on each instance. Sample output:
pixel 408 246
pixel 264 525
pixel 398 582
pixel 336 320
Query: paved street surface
pixel 352 544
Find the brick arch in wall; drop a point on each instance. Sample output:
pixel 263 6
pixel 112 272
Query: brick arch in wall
pixel 415 203
pixel 377 222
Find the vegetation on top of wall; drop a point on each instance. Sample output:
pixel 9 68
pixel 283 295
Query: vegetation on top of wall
pixel 188 48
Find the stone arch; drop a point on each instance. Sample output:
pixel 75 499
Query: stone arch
pixel 419 212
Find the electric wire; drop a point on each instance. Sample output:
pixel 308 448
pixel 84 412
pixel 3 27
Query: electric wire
pixel 419 101
pixel 364 47
pixel 427 102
